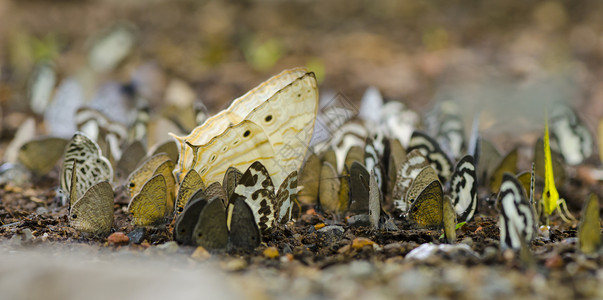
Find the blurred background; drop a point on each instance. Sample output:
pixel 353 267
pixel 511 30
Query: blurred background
pixel 503 58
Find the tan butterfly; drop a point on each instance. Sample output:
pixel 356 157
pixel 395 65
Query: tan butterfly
pixel 93 212
pixel 40 155
pixel 149 206
pixel 328 188
pixel 589 232
pixel 144 172
pixel 309 180
pixel 272 123
pixel 192 182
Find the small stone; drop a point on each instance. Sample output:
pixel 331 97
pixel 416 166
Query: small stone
pixel 137 235
pixel 271 252
pixel 389 225
pixel 361 242
pixel 554 262
pixel 330 232
pixel 319 226
pixel 169 247
pixel 359 221
pixel 200 254
pixel 26 235
pixel 236 264
pixel 118 238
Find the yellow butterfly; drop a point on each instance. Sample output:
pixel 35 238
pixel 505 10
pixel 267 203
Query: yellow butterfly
pixel 272 123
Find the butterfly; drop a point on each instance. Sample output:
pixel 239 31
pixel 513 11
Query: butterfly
pixel 41 155
pixel 556 159
pixel 434 154
pixel 187 220
pixel 399 121
pixel 286 199
pixel 131 156
pixel 507 164
pixel 328 189
pixel 93 211
pixel 371 106
pixel 372 161
pixel 92 166
pixel 149 206
pixel 243 230
pixel 408 171
pixel 449 220
pixel 111 46
pixel 463 189
pixel 309 179
pixel 192 182
pixel 397 155
pixel 59 116
pixel 570 136
pixel 144 172
pixel 168 147
pixel 427 209
pixel 359 189
pixel 451 134
pixel 272 123
pixel 211 230
pixel 589 231
pixel 231 180
pixel 516 221
pixel 374 201
pixel 41 86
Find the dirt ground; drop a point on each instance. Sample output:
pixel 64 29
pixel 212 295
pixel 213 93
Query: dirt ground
pixel 489 57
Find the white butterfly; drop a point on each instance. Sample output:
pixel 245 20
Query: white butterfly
pixel 272 123
pixel 516 219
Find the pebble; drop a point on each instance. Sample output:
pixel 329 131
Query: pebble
pixel 236 264
pixel 26 235
pixel 41 210
pixel 118 238
pixel 200 254
pixel 169 247
pixel 15 174
pixel 331 232
pixel 361 242
pixel 319 226
pixel 271 253
pixel 137 235
pixel 359 221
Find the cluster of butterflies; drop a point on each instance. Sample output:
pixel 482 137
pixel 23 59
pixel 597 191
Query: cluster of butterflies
pixel 380 162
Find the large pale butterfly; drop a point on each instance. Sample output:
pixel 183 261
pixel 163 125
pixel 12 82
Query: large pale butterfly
pixel 359 189
pixel 371 105
pixel 589 232
pixel 329 188
pixel 273 124
pixel 516 221
pixel 93 212
pixel 41 154
pixel 186 221
pixel 92 166
pixel 258 190
pixel 427 209
pixel 309 180
pixel 41 86
pixel 286 199
pixel 211 231
pixel 149 206
pixel 192 182
pixel 348 136
pixel 144 172
pixel 59 115
pixel 449 220
pixel 244 232
pixel 463 189
pixel 432 151
pixel 408 171
pixel 400 121
pixel 570 136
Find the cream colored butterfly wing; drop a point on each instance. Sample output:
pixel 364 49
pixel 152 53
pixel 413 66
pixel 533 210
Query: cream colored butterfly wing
pixel 92 166
pixel 93 212
pixel 239 147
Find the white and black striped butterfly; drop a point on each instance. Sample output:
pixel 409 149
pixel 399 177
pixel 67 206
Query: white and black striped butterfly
pixel 570 136
pixel 463 189
pixel 451 135
pixel 372 161
pixel 431 149
pixel 517 223
pixel 258 190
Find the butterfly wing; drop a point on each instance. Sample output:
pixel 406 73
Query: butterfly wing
pixel 192 182
pixel 93 212
pixel 210 231
pixel 144 172
pixel 92 166
pixel 328 188
pixel 244 232
pixel 433 152
pixel 516 218
pixel 463 189
pixel 40 155
pixel 427 209
pixel 286 198
pixel 149 206
pixel 186 222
